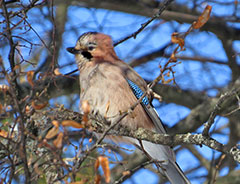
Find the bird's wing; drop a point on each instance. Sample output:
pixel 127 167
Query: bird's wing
pixel 159 152
pixel 147 106
pixel 139 87
pixel 130 74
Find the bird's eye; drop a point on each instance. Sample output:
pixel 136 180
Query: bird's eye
pixel 91 46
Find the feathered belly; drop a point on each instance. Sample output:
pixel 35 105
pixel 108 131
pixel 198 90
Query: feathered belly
pixel 109 95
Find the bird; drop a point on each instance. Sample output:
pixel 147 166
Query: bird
pixel 111 86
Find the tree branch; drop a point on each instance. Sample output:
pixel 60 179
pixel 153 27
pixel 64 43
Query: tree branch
pixel 155 16
pixel 143 134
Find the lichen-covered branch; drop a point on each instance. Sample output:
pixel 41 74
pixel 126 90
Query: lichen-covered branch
pixel 143 134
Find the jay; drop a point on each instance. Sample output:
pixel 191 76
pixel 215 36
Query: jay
pixel 108 82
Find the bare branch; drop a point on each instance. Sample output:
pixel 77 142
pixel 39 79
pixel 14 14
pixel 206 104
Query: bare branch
pixel 155 16
pixel 216 110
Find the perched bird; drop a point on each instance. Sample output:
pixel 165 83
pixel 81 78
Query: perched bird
pixel 111 86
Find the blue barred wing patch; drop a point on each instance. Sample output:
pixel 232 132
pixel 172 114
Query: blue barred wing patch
pixel 138 92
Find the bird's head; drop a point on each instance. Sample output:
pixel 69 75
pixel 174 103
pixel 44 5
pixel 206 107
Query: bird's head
pixel 93 46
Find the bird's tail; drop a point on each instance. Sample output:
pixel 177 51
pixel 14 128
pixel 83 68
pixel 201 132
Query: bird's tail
pixel 175 174
pixel 166 158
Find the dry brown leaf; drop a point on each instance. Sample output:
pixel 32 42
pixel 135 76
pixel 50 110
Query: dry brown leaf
pixel 57 72
pixel 97 179
pixel 86 110
pixel 125 173
pixel 97 164
pixel 52 132
pixel 55 123
pixel 39 106
pixel 4 88
pixel 105 166
pixel 3 133
pixel 58 141
pixel 27 109
pixel 236 2
pixel 16 67
pixel 203 18
pixel 1 108
pixel 175 38
pixel 30 77
pixel 72 123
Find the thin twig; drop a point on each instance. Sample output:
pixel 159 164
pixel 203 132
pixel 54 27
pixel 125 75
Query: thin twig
pixel 21 128
pixel 132 171
pixel 235 110
pixel 217 169
pixel 155 16
pixel 215 111
pixel 9 37
pixel 53 63
pixel 39 37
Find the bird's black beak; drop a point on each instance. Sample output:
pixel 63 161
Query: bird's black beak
pixel 72 50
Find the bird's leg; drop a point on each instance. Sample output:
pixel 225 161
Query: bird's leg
pixel 99 120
